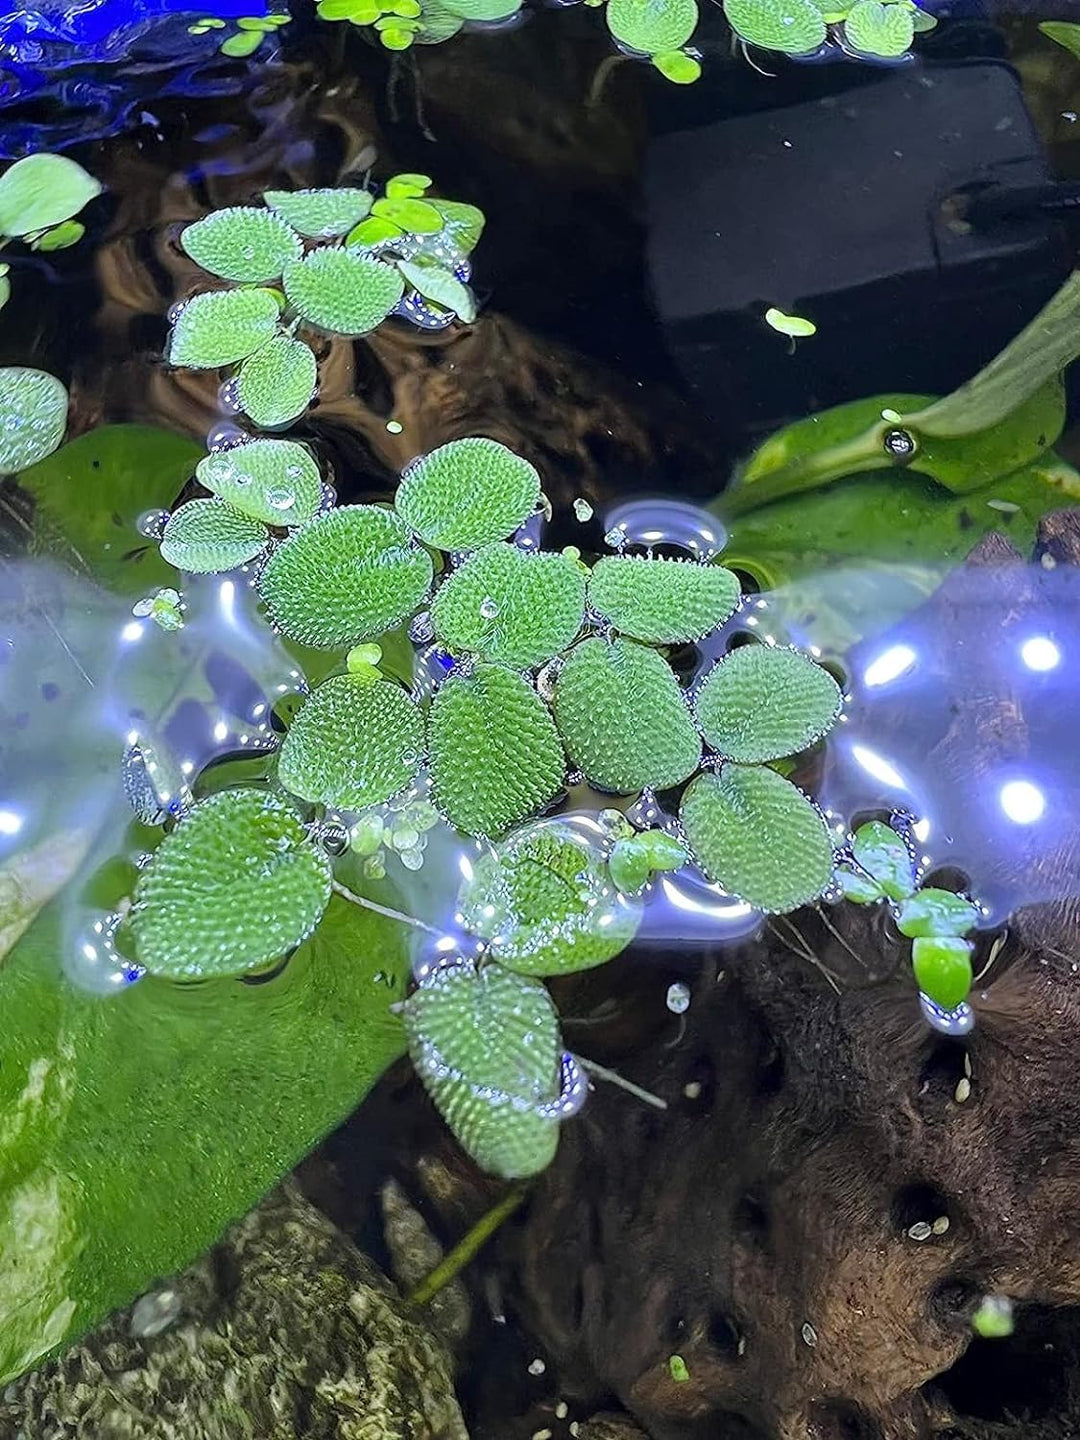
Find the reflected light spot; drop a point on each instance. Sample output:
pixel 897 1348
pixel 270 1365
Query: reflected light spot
pixel 227 596
pixel 465 866
pixel 10 822
pixel 1022 801
pixel 1040 653
pixel 889 665
pixel 221 731
pixel 132 631
pixel 877 766
pixel 921 830
pixel 721 907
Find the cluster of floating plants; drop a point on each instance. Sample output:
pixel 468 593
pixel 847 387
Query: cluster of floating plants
pixel 880 29
pixel 40 196
pixel 249 35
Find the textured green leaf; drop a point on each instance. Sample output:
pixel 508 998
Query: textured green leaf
pixel 795 27
pixel 242 242
pixel 437 284
pixel 33 417
pixel 936 912
pixel 1063 32
pixel 205 536
pixel 486 1047
pixel 752 832
pixel 652 26
pixel 545 902
pixel 629 866
pixel 466 493
pixel 678 67
pixel 495 756
pixel 41 191
pixel 942 966
pixel 277 383
pixel 874 28
pixel 509 605
pixel 663 601
pixel 483 9
pixel 352 574
pixel 356 742
pixel 341 291
pixel 275 481
pixel 234 887
pixel 623 718
pixel 414 217
pixel 407 186
pixel 464 224
pixel 762 703
pixel 222 327
pixel 320 214
pixel 881 852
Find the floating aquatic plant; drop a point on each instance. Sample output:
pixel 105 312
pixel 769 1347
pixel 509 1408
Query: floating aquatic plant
pixel 401 23
pixel 222 327
pixel 762 702
pixel 659 29
pixel 39 197
pixel 243 242
pixel 33 417
pixel 250 32
pixel 467 493
pixel 205 536
pixel 275 481
pixel 878 29
pixel 341 291
pixel 665 602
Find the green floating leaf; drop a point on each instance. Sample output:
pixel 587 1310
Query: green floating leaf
pixel 874 28
pixel 242 44
pixel 341 291
pixel 464 224
pixel 546 903
pixel 483 9
pixel 495 756
pixel 635 857
pixel 60 237
pixel 356 742
pixel 794 326
pixel 222 327
pixel 486 1047
pixel 665 602
pixel 652 26
pixel 762 703
pixel 407 186
pixel 623 718
pixel 320 214
pixel 794 27
pixel 752 832
pixel 243 242
pixel 33 417
pixel 437 284
pixel 936 912
pixel 351 574
pixel 942 965
pixel 922 21
pixel 275 481
pixel 881 852
pixel 42 191
pixel 1064 33
pixel 234 887
pixel 413 217
pixel 512 606
pixel 277 383
pixel 437 24
pixel 207 536
pixel 678 67
pixel 467 493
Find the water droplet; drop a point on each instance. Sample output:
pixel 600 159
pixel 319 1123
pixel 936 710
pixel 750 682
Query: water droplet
pixel 667 522
pixel 95 963
pixel 151 523
pixel 960 1021
pixel 615 537
pixel 489 608
pixel 678 998
pixel 280 499
pixel 583 510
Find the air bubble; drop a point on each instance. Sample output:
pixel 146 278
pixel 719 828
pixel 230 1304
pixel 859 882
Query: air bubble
pixel 421 628
pixel 280 499
pixel 151 523
pixel 960 1021
pixel 488 608
pixel 573 1090
pixel 678 998
pixel 229 397
pixel 95 964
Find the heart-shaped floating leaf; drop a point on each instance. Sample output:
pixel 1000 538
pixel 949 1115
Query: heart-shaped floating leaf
pixel 509 605
pixel 635 857
pixel 41 191
pixel 623 718
pixel 762 702
pixel 936 912
pixel 222 327
pixel 652 26
pixel 33 417
pixel 437 284
pixel 277 383
pixel 752 832
pixel 677 66
pixel 467 493
pixel 486 1047
pixel 795 27
pixel 495 756
pixel 275 481
pixel 351 574
pixel 234 887
pixel 942 966
pixel 320 214
pixel 666 602
pixel 356 742
pixel 243 242
pixel 205 536
pixel 546 903
pixel 884 857
pixel 341 291
pixel 874 28
pixel 463 224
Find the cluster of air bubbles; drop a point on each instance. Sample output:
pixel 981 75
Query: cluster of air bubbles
pixel 225 436
pixel 153 783
pixel 900 444
pixel 958 1022
pixel 665 522
pixel 399 829
pixel 414 308
pixel 175 311
pixel 645 812
pixel 573 1090
pixel 229 396
pixel 151 523
pixel 332 834
pixel 95 963
pixel 327 498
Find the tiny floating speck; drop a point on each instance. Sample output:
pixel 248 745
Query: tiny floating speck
pixel 583 510
pixel 795 326
pixel 395 427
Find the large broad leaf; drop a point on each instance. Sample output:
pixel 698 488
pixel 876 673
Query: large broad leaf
pixel 495 755
pixel 275 481
pixel 342 292
pixel 1065 33
pixel 33 417
pixel 467 493
pixel 794 27
pixel 623 718
pixel 652 26
pixel 223 326
pixel 762 702
pixel 41 191
pixel 277 383
pixel 486 1046
pixel 320 214
pixel 666 602
pixel 133 1130
pixel 206 536
pixel 243 242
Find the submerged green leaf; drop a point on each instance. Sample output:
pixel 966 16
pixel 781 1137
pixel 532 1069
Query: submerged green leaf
pixel 759 837
pixel 275 481
pixel 623 718
pixel 242 242
pixel 762 702
pixel 652 26
pixel 1064 32
pixel 41 191
pixel 494 753
pixel 876 28
pixel 33 417
pixel 483 9
pixel 206 536
pixel 485 1044
pixel 277 383
pixel 942 965
pixel 223 326
pixel 635 857
pixel 509 605
pixel 467 493
pixel 665 602
pixel 341 291
pixel 464 224
pixel 351 574
pixel 356 742
pixel 936 912
pixel 234 887
pixel 320 214
pixel 795 27
pixel 437 284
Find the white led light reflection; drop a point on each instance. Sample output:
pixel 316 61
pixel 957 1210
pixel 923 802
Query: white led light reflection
pixel 1022 801
pixel 1040 653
